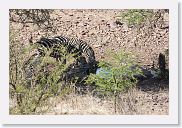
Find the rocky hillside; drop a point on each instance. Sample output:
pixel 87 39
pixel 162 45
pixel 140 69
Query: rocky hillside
pixel 101 30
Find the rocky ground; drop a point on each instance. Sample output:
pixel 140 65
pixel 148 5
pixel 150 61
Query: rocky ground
pixel 100 29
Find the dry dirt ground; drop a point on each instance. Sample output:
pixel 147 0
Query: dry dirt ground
pixel 101 31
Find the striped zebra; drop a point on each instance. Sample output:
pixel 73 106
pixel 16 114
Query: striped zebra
pixel 72 45
pixel 52 46
pixel 76 45
pixel 45 44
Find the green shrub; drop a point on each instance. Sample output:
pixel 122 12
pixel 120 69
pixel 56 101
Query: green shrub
pixel 32 93
pixel 116 74
pixel 135 17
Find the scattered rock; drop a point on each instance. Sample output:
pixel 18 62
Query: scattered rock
pixel 119 22
pixel 125 27
pixel 97 46
pixel 166 17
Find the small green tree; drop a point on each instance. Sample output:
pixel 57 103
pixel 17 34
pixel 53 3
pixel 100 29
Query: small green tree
pixel 116 75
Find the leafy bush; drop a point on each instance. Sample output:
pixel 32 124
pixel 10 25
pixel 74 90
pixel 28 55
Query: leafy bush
pixel 116 74
pixel 34 80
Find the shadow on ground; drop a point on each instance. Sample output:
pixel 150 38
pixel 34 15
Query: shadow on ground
pixel 153 85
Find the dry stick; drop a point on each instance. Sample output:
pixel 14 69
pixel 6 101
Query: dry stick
pixel 115 95
pixel 115 102
pixel 39 99
pixel 19 96
pixel 13 85
pixel 16 70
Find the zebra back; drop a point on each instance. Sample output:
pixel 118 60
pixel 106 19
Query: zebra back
pixel 72 45
pixel 47 44
pixel 76 45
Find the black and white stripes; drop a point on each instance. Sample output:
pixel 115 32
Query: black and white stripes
pixel 76 45
pixel 72 45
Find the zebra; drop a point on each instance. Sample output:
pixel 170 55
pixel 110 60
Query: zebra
pixel 77 47
pixel 45 44
pixel 72 45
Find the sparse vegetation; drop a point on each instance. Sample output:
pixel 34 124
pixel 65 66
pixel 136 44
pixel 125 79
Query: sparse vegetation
pixel 136 17
pixel 115 90
pixel 35 16
pixel 32 92
pixel 116 74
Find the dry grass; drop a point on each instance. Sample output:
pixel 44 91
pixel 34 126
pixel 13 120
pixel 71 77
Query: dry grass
pixel 137 102
pixel 134 102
